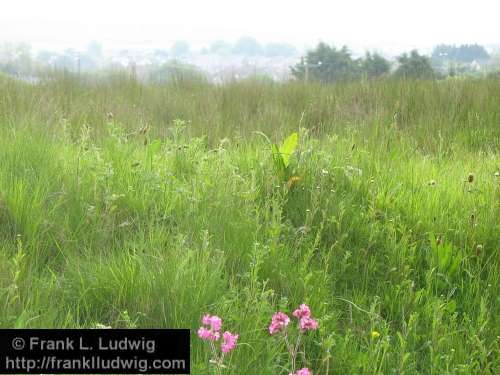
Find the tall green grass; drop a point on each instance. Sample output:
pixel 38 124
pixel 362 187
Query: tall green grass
pixel 171 207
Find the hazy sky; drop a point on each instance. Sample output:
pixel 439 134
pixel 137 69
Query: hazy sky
pixel 384 23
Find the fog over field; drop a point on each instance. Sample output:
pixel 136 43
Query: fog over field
pixel 235 39
pixel 390 26
pixel 388 22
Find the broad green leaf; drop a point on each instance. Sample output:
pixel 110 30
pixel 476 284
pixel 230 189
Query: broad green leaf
pixel 451 306
pixel 444 253
pixel 288 147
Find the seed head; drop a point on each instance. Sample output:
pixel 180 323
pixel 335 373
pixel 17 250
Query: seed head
pixel 439 240
pixel 479 249
pixel 293 181
pixel 473 219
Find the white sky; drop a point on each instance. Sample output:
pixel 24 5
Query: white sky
pixel 382 23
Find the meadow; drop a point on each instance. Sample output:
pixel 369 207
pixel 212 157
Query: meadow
pixel 127 205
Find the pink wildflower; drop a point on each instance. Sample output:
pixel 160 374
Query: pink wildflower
pixel 213 321
pixel 302 312
pixel 278 322
pixel 303 371
pixel 211 332
pixel 229 342
pixel 307 323
pixel 207 334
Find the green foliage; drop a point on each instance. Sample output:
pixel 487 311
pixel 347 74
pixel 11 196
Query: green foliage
pixel 375 65
pixel 288 148
pixel 494 74
pixel 327 64
pixel 445 260
pixel 472 60
pixel 283 153
pixel 152 149
pixel 414 66
pixel 177 72
pixel 465 53
pixel 143 221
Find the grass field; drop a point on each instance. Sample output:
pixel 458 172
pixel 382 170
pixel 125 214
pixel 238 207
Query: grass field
pixel 134 205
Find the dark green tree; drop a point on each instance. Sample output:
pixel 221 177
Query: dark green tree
pixel 414 65
pixel 374 65
pixel 327 64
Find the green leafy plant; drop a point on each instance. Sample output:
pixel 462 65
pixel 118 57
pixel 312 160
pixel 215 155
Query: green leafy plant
pixel 445 259
pixel 282 154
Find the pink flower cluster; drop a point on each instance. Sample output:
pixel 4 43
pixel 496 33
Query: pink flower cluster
pixel 229 342
pixel 211 332
pixel 280 320
pixel 303 371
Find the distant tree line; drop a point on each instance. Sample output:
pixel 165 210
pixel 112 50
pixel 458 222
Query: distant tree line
pixel 324 63
pixel 464 59
pixel 328 64
pixel 465 53
pixel 414 65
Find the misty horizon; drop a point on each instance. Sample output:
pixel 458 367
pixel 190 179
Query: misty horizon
pixel 388 26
